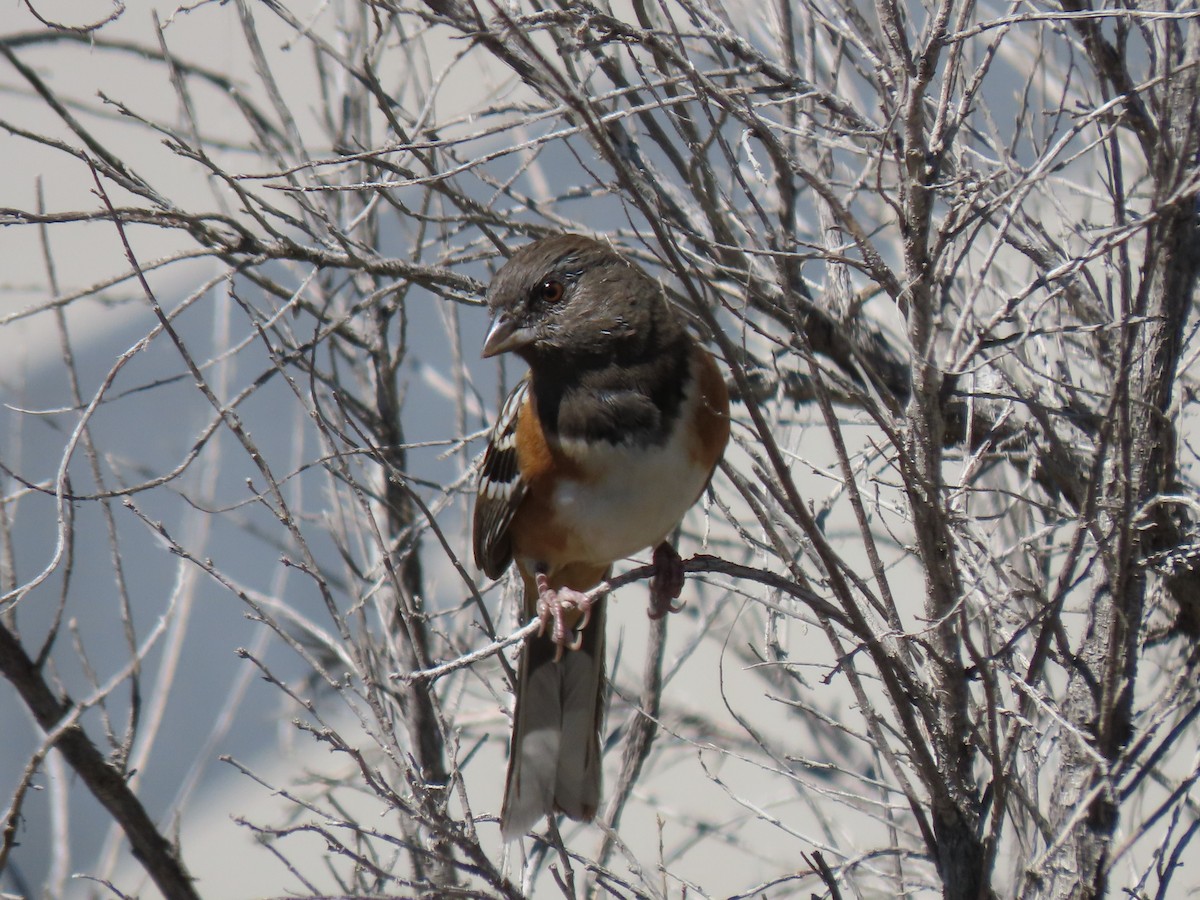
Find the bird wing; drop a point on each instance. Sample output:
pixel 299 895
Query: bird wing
pixel 501 488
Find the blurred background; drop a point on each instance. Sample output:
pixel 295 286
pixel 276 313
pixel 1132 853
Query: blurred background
pixel 945 253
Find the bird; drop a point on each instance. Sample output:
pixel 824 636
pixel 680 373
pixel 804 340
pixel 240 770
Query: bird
pixel 595 455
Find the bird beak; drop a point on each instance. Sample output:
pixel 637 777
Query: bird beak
pixel 505 336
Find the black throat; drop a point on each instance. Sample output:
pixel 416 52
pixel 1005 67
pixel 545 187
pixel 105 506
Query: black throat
pixel 631 397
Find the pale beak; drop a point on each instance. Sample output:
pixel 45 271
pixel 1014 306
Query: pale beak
pixel 505 335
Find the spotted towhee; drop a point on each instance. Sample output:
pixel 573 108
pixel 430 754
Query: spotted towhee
pixel 596 454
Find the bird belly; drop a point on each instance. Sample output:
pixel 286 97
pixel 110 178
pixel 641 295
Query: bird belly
pixel 633 499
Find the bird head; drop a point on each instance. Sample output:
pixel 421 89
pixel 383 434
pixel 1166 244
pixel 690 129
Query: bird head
pixel 570 295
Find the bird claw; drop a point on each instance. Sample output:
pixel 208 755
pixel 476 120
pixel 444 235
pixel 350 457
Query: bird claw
pixel 553 605
pixel 667 581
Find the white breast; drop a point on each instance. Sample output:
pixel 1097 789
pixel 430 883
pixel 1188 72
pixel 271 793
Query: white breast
pixel 638 498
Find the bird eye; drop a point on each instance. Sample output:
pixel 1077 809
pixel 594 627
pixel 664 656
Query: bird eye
pixel 550 291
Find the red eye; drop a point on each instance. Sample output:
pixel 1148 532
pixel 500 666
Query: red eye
pixel 550 291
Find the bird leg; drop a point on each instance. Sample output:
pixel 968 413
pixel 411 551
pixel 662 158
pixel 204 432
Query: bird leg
pixel 554 605
pixel 667 582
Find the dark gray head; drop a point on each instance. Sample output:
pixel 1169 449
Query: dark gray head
pixel 571 296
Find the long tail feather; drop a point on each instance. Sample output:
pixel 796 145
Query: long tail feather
pixel 554 756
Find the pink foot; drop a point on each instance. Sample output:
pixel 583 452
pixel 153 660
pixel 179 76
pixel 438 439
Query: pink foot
pixel 667 582
pixel 554 605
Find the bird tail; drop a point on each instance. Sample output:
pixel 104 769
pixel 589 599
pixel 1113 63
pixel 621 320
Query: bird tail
pixel 554 757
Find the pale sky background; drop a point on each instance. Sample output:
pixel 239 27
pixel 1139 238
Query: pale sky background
pixel 227 862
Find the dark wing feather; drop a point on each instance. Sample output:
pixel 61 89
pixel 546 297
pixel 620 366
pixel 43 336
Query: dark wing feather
pixel 501 488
